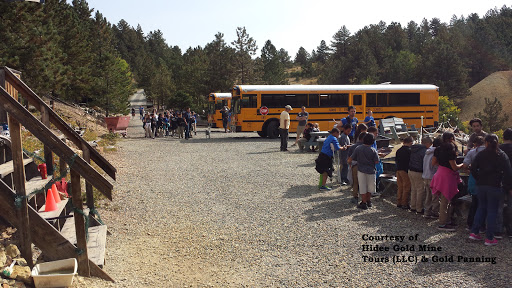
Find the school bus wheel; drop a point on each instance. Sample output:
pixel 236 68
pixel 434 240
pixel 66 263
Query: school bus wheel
pixel 273 129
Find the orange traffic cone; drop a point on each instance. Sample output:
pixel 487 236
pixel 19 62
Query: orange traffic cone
pixel 50 202
pixel 56 195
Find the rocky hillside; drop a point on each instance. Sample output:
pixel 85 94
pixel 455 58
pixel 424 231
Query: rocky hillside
pixel 498 84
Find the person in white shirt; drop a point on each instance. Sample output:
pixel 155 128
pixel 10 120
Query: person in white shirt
pixel 284 126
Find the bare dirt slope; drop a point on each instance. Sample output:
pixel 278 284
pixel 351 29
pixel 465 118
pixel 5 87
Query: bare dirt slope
pixel 77 117
pixel 498 84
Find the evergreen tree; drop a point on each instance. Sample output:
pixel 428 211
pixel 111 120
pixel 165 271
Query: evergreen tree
pixel 162 85
pixel 221 71
pixel 273 69
pixel 75 28
pixel 303 58
pixel 195 72
pixel 245 47
pixel 340 41
pixel 322 52
pixel 493 118
pixel 284 58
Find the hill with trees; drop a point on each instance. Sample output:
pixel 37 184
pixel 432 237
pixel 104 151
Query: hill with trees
pixel 497 85
pixel 74 53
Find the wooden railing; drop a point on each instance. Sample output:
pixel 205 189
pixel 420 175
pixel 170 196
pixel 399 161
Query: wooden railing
pixel 79 167
pixel 55 119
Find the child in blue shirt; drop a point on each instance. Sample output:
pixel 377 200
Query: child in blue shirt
pixel 324 160
pixel 368 120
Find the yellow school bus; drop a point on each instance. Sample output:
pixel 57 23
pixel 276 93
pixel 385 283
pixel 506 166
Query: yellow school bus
pixel 328 103
pixel 215 103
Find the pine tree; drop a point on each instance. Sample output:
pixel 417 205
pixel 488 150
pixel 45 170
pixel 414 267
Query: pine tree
pixel 322 52
pixel 221 71
pixel 245 47
pixel 273 69
pixel 340 41
pixel 493 117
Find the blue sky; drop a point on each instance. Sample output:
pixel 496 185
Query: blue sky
pixel 288 24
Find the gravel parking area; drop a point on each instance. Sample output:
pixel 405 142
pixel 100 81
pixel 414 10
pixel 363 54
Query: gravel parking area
pixel 233 211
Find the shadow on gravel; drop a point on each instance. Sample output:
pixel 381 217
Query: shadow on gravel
pixel 263 152
pixel 442 252
pixel 301 191
pixel 329 207
pixel 197 140
pixel 311 164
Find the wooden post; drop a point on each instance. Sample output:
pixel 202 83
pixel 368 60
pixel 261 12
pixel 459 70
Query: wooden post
pixel 63 166
pixel 19 186
pixel 88 187
pixel 81 240
pixel 3 113
pixel 48 155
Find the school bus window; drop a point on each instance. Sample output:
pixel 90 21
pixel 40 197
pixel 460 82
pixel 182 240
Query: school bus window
pixel 219 105
pixel 313 100
pixel 333 100
pixel 275 100
pixel 272 101
pixel 404 99
pixel 250 101
pixel 371 99
pixel 382 99
pixel 357 100
pixel 296 100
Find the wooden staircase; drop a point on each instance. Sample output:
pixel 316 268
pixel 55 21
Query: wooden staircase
pixel 19 178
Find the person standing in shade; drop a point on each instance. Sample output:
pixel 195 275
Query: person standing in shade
pixel 352 120
pixel 353 170
pixel 415 175
pixel 366 158
pixel 492 172
pixel 225 115
pixel 507 214
pixel 284 126
pixel 141 112
pixel 476 126
pixel 431 202
pixel 403 156
pixel 188 119
pixel 323 164
pixel 368 120
pixel 478 146
pixel 445 181
pixel 302 117
pixel 344 140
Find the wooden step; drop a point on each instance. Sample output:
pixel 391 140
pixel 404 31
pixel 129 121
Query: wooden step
pixel 8 167
pixel 36 183
pixel 55 213
pixel 96 243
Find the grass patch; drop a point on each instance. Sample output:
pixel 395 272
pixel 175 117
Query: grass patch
pixel 109 139
pixel 90 135
pixel 32 145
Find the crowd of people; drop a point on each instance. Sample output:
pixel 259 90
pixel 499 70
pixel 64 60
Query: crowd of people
pixel 181 124
pixel 427 174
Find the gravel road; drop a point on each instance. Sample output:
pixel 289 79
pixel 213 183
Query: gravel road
pixel 233 211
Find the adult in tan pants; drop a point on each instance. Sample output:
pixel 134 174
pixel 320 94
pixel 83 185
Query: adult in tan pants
pixel 415 175
pixel 402 159
pixel 302 117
